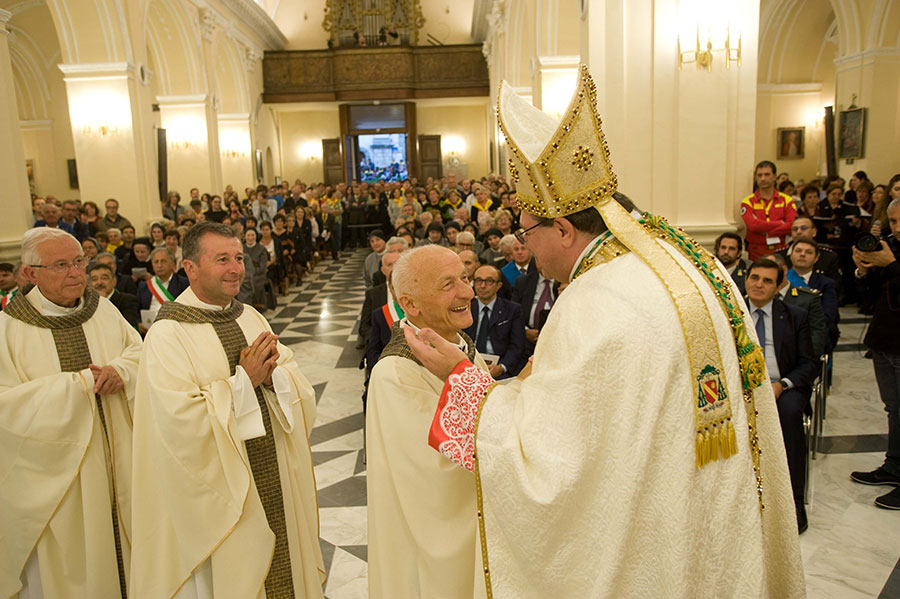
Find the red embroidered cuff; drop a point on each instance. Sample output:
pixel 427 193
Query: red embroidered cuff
pixel 452 431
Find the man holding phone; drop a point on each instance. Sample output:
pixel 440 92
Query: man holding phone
pixel 878 275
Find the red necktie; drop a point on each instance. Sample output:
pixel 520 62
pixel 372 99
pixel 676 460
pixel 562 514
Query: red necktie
pixel 546 299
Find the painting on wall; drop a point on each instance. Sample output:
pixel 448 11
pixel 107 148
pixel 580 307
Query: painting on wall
pixel 791 142
pixel 851 131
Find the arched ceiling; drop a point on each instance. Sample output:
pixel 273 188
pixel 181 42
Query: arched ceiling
pixel 173 43
pixel 34 53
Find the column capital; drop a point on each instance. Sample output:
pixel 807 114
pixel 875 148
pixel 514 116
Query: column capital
pixel 98 70
pixel 5 16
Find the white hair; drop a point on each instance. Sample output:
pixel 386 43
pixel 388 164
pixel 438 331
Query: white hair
pixel 406 276
pixel 35 237
pixel 114 230
pixel 396 241
pixel 507 241
pixel 465 237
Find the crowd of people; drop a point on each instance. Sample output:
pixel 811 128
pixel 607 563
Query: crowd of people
pixel 806 243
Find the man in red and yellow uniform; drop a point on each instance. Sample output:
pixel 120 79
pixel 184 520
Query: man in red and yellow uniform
pixel 767 213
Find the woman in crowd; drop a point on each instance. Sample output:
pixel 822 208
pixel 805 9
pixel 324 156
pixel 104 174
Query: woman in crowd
pixel 452 207
pixel 274 264
pixel 215 213
pixel 173 208
pixel 234 212
pixel 90 214
pixel 332 218
pixel 503 221
pixel 809 201
pixel 91 248
pixel 173 244
pixel 259 258
pixel 137 259
pixel 157 235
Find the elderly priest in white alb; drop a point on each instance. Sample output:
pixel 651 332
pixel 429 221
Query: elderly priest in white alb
pixel 643 454
pixel 225 493
pixel 421 507
pixel 68 365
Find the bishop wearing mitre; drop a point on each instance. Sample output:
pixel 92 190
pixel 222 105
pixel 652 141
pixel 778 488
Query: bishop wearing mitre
pixel 643 454
pixel 68 365
pixel 225 495
pixel 421 506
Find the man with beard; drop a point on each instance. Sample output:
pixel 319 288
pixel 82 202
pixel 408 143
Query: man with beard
pixel 728 250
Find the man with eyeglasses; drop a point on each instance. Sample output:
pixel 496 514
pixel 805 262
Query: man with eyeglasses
pixel 497 324
pixel 68 364
pixel 647 398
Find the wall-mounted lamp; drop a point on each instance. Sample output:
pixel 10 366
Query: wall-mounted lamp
pixel 310 150
pixel 233 153
pixel 100 130
pixel 453 145
pixel 708 26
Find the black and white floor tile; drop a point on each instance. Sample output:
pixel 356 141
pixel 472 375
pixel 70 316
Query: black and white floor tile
pixel 850 550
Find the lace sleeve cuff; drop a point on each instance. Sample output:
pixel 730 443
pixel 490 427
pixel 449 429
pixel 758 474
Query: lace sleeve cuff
pixel 452 431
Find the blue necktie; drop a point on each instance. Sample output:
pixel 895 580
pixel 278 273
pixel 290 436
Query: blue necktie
pixel 761 327
pixel 482 339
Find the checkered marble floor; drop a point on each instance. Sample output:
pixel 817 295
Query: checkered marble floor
pixel 318 321
pixel 850 549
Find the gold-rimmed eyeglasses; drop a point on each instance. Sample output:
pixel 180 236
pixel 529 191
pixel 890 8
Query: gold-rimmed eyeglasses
pixel 62 266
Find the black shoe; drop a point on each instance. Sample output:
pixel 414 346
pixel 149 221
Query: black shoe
pixel 879 476
pixel 802 523
pixel 891 501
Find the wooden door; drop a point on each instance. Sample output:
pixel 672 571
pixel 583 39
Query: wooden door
pixel 430 156
pixel 332 162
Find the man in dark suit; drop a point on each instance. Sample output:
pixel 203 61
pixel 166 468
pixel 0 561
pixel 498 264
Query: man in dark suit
pixel 804 254
pixel 123 284
pixel 783 333
pixel 103 279
pixel 497 324
pixel 827 262
pixel 810 301
pixel 376 297
pixel 536 294
pixel 164 286
pixel 728 250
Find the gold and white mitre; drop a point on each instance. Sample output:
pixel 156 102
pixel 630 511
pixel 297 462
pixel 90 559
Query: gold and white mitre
pixel 560 168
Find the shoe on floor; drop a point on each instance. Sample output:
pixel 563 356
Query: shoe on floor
pixel 891 501
pixel 802 522
pixel 879 476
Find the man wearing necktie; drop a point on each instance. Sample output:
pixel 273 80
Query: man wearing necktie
pixel 497 324
pixel 536 294
pixel 783 333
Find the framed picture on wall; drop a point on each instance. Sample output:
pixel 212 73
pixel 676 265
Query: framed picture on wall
pixel 791 142
pixel 850 133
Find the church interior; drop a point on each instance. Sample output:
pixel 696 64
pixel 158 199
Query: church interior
pixel 131 99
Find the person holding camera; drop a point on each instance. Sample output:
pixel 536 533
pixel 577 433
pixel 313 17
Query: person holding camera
pixel 878 275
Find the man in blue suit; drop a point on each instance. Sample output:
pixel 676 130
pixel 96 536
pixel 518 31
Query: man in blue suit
pixel 164 286
pixel 804 254
pixel 497 325
pixel 783 333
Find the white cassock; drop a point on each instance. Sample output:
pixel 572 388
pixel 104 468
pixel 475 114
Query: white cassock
pixel 201 528
pixel 588 469
pixel 57 465
pixel 421 506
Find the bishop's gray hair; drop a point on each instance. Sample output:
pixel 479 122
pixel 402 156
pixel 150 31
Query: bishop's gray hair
pixel 35 237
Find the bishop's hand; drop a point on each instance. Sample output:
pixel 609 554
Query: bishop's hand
pixel 435 353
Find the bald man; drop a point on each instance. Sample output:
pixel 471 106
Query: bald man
pixel 420 511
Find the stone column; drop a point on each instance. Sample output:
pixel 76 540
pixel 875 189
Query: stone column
pixel 236 151
pixel 192 138
pixel 113 134
pixel 13 179
pixel 681 140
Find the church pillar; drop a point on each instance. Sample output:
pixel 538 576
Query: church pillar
pixel 13 180
pixel 236 151
pixel 193 143
pixel 871 79
pixel 113 135
pixel 681 140
pixel 554 83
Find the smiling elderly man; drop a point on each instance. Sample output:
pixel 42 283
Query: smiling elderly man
pixel 421 510
pixel 225 505
pixel 68 364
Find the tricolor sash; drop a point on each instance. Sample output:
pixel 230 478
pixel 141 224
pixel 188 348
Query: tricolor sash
pixel 159 291
pixel 392 312
pixel 6 296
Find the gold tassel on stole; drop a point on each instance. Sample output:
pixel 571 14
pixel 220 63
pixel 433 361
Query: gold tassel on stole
pixel 715 444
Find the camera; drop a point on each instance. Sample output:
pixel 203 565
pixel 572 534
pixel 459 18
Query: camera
pixel 866 242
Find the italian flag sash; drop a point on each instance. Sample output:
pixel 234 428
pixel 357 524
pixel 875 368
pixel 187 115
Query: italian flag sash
pixel 5 296
pixel 159 291
pixel 392 312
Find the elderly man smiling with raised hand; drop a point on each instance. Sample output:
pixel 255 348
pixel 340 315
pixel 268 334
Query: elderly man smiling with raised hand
pixel 420 510
pixel 68 364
